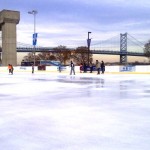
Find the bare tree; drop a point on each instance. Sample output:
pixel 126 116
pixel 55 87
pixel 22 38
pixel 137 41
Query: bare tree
pixel 28 57
pixel 46 56
pixel 80 55
pixel 62 54
pixel 39 56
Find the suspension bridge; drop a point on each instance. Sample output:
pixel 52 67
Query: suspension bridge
pixel 123 45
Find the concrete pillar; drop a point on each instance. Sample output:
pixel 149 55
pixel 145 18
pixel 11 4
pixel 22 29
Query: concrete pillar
pixel 8 21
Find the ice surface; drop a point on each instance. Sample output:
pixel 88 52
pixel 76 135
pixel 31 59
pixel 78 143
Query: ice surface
pixel 81 112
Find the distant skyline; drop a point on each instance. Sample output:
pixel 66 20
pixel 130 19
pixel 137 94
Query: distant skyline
pixel 67 22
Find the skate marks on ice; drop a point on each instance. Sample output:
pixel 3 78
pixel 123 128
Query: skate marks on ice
pixel 62 112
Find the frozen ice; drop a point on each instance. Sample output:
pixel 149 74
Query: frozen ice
pixel 50 111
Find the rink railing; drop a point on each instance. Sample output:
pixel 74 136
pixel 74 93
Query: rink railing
pixel 108 69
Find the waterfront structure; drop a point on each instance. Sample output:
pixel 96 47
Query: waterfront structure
pixel 8 21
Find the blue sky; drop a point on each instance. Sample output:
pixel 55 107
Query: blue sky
pixel 66 22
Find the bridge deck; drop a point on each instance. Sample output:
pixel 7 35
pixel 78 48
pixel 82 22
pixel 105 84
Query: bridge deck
pixel 106 52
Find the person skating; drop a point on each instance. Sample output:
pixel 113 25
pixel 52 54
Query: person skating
pixel 32 69
pixel 12 69
pixel 91 67
pixel 98 66
pixel 72 68
pixel 103 67
pixel 59 67
pixel 9 68
pixel 84 67
pixel 81 68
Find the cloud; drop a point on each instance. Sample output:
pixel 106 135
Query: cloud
pixel 68 21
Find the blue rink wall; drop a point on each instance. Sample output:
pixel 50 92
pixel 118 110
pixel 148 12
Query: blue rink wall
pixel 108 69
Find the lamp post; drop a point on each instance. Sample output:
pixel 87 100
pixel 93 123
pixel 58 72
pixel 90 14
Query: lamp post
pixel 88 43
pixel 34 12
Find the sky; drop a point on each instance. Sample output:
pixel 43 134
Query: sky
pixel 67 22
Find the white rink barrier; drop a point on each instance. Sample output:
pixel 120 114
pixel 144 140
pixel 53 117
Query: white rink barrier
pixel 29 69
pixel 108 69
pixel 128 69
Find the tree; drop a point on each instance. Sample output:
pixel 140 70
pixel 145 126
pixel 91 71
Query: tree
pixel 46 56
pixel 39 56
pixel 80 55
pixel 28 57
pixel 62 54
pixel 147 50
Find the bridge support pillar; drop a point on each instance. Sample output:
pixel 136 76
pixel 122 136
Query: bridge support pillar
pixel 123 48
pixel 8 21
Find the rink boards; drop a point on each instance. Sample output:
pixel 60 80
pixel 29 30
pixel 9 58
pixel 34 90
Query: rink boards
pixel 144 69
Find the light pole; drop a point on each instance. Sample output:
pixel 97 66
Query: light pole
pixel 88 43
pixel 34 12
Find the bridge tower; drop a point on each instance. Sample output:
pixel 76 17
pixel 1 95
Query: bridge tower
pixel 8 21
pixel 123 48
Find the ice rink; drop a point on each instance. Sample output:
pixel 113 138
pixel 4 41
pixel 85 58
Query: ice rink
pixel 47 111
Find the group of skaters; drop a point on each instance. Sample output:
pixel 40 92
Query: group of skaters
pixel 99 67
pixel 83 67
pixel 10 69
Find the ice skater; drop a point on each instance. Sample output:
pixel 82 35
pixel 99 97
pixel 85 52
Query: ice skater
pixel 32 69
pixel 59 67
pixel 103 67
pixel 98 66
pixel 72 68
pixel 84 67
pixel 81 67
pixel 91 67
pixel 12 69
pixel 9 68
